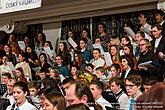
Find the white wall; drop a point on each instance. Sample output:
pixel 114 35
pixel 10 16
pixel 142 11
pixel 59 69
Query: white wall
pixel 52 32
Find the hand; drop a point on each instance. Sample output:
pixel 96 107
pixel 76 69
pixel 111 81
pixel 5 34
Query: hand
pixel 142 68
pixel 161 55
pixel 30 60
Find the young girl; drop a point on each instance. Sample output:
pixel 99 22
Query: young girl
pixel 25 66
pixel 20 93
pixel 97 61
pixel 19 74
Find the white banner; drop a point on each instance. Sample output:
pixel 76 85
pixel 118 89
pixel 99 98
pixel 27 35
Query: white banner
pixel 7 6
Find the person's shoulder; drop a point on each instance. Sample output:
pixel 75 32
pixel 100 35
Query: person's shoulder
pixel 9 107
pixel 30 106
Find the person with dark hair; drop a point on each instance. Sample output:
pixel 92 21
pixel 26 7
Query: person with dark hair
pixel 32 58
pixel 85 34
pixel 9 54
pixel 117 87
pixel 127 67
pixel 158 46
pixel 50 83
pixel 132 85
pixel 34 88
pixel 74 72
pixel 89 67
pixel 159 16
pixel 152 99
pixel 145 27
pixel 12 41
pixel 20 76
pixel 48 45
pixel 123 41
pixel 71 35
pixel 86 54
pixel 39 43
pixel 20 93
pixel 97 60
pixel 41 74
pixel 24 65
pixel 115 70
pixel 62 68
pixel 128 51
pixel 67 82
pixel 43 62
pixel 5 68
pixel 104 37
pixel 79 93
pixel 79 61
pixel 97 88
pixel 80 106
pixel 147 84
pixel 64 52
pixel 5 78
pixel 54 101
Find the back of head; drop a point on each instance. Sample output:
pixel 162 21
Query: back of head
pixel 83 89
pixel 57 99
pixel 153 99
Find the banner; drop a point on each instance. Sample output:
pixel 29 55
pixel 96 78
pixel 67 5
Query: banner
pixel 7 6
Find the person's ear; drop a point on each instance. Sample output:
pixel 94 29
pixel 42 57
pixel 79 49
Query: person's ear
pixel 26 93
pixel 84 99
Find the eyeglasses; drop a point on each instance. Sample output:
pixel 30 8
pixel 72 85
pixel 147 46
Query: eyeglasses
pixel 130 85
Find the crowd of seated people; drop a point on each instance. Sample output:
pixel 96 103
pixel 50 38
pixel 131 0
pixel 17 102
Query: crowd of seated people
pixel 85 74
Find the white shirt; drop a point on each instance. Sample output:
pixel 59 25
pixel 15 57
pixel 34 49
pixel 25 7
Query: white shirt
pixel 26 69
pixel 10 97
pixel 98 63
pixel 122 99
pixel 103 103
pixel 25 106
pixel 126 73
pixel 147 36
pixel 157 43
pixel 162 22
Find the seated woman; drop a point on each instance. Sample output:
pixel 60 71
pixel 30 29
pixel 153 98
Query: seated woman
pixel 97 61
pixel 19 74
pixel 24 65
pixel 5 68
pixel 21 103
pixel 54 101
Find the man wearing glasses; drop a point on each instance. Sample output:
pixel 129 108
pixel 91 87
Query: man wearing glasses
pixel 133 84
pixel 146 55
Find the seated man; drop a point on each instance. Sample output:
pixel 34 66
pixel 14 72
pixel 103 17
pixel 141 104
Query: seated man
pixel 96 88
pixel 8 93
pixel 133 84
pixel 116 85
pixel 147 84
pixel 63 69
pixel 77 93
pixel 3 85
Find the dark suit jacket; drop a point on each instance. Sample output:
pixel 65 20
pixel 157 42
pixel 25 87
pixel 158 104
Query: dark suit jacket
pixel 130 72
pixel 161 47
